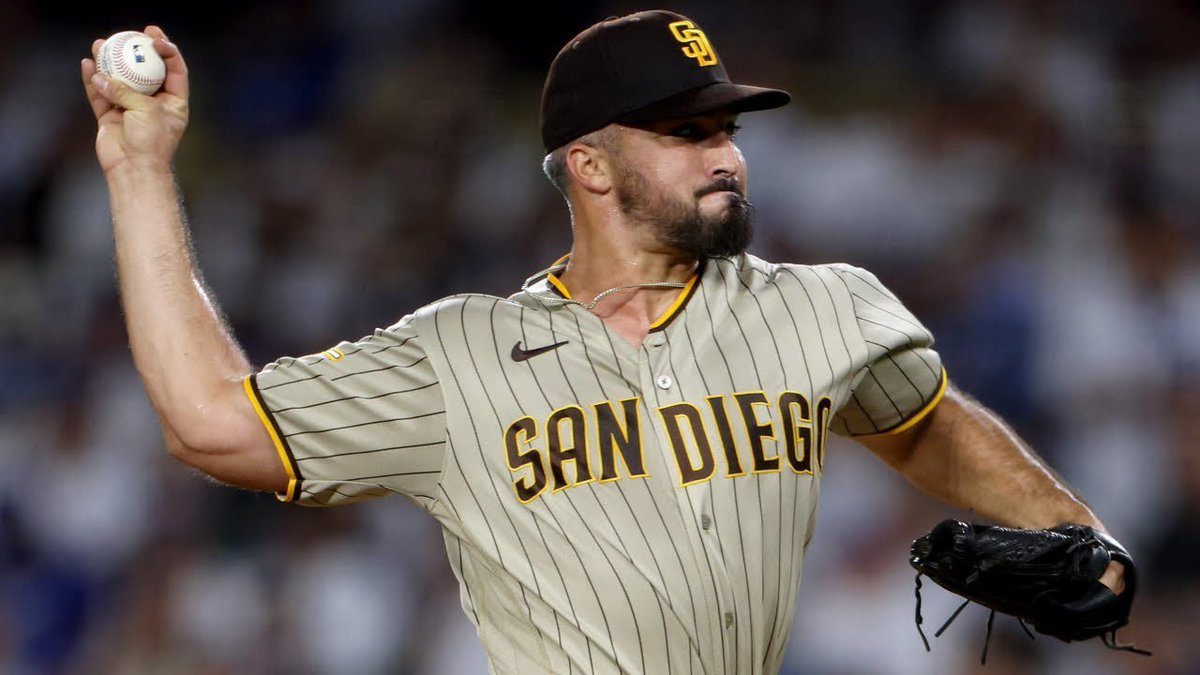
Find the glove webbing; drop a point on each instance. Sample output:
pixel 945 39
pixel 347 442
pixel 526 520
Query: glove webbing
pixel 1109 639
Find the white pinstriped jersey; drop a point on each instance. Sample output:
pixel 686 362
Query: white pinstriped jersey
pixel 610 508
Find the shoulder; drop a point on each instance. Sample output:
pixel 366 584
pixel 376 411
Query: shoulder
pixel 860 282
pixel 744 271
pixel 465 323
pixel 462 305
pixel 753 273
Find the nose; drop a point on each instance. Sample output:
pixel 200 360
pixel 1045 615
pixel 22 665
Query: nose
pixel 725 159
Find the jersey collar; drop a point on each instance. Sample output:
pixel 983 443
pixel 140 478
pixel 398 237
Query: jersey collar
pixel 546 287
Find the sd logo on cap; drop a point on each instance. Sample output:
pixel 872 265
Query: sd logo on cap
pixel 634 69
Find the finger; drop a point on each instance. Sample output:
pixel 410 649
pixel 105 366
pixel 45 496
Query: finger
pixel 176 82
pixel 100 105
pixel 119 93
pixel 1114 577
pixel 96 45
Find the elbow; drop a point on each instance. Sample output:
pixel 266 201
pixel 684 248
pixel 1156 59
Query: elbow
pixel 228 444
pixel 195 429
pixel 188 444
pixel 196 432
pixel 175 447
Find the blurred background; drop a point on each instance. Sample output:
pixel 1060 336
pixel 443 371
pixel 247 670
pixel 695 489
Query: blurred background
pixel 1024 174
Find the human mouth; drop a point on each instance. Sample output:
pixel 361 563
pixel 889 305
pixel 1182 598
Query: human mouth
pixel 722 185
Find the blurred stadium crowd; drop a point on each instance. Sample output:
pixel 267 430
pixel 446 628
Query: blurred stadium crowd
pixel 1025 174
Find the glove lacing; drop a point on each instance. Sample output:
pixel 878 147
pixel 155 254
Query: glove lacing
pixel 1109 639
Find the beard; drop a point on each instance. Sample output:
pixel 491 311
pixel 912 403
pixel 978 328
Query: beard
pixel 681 225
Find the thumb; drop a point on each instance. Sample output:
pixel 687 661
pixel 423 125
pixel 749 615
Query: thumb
pixel 118 93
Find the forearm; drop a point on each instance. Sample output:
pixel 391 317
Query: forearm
pixel 185 355
pixel 966 456
pixel 189 363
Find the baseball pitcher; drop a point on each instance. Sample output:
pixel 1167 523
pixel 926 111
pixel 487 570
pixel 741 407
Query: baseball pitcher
pixel 625 454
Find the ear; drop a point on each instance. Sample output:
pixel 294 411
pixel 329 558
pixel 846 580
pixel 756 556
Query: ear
pixel 590 167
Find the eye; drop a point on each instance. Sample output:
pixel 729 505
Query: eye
pixel 732 129
pixel 688 130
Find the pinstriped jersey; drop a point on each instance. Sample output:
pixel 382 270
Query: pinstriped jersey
pixel 608 507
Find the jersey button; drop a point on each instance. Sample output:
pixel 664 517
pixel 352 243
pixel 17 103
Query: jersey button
pixel 729 619
pixel 705 522
pixel 663 382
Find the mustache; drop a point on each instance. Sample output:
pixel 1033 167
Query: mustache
pixel 726 184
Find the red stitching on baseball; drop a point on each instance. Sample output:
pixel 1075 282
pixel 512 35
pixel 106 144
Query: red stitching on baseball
pixel 122 66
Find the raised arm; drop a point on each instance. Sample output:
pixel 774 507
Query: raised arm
pixel 190 364
pixel 963 454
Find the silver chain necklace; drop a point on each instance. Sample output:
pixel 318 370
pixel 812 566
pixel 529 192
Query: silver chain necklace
pixel 588 306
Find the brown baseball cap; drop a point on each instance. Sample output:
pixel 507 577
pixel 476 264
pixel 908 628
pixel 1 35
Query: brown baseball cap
pixel 641 67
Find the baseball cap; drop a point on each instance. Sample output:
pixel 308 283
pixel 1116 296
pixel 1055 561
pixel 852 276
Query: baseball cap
pixel 642 67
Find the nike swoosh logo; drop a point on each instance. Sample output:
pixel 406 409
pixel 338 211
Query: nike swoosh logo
pixel 519 354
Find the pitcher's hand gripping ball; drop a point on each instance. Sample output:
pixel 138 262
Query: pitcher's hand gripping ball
pixel 129 57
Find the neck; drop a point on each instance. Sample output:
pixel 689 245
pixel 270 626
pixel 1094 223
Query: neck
pixel 604 258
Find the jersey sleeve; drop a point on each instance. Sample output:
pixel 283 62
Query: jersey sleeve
pixel 903 378
pixel 360 420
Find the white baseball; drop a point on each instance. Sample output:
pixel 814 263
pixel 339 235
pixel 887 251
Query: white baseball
pixel 129 57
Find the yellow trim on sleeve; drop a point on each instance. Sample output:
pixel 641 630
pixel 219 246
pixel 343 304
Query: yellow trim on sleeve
pixel 921 414
pixel 929 407
pixel 290 494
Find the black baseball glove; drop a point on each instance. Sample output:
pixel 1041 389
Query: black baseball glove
pixel 1049 579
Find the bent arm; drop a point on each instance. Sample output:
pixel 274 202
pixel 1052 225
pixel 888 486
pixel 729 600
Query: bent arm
pixel 190 364
pixel 188 360
pixel 963 454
